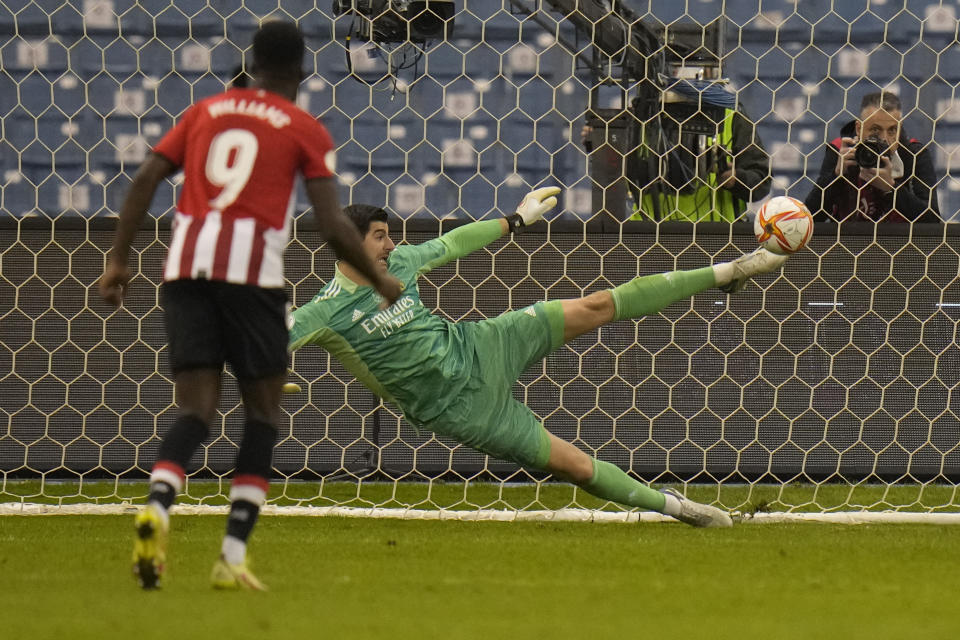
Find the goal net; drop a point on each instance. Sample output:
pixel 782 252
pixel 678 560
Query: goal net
pixel 827 388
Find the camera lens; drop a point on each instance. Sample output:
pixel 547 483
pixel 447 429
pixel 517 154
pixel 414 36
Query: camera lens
pixel 869 151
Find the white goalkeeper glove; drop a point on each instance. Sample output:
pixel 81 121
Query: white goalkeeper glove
pixel 533 206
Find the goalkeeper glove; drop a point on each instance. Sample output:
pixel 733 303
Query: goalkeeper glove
pixel 532 207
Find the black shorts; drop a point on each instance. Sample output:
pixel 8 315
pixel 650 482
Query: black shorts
pixel 210 322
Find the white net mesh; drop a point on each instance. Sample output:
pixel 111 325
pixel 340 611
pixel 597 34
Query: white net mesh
pixel 827 387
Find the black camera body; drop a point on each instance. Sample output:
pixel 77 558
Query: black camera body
pixel 869 151
pixel 400 20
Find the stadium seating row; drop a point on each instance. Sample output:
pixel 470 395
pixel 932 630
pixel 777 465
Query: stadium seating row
pixel 822 21
pixel 88 102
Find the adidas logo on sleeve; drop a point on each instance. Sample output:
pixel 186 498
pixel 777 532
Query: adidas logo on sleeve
pixel 357 314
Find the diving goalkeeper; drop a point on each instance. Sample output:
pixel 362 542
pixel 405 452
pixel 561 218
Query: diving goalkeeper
pixel 455 378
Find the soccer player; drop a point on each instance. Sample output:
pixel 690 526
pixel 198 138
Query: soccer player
pixel 223 295
pixel 455 378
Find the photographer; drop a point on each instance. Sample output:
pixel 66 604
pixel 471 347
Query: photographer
pixel 873 171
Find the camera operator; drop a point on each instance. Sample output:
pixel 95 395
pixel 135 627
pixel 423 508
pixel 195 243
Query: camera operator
pixel 706 169
pixel 873 171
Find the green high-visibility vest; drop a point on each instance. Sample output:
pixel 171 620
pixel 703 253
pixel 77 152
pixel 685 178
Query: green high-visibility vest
pixel 706 202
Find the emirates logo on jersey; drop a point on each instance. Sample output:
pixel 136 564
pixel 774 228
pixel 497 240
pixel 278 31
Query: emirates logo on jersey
pixel 392 318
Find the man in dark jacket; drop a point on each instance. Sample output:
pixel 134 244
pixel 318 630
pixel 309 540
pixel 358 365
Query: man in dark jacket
pixel 898 185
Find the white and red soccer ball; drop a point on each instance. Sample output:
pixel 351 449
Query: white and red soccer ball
pixel 783 225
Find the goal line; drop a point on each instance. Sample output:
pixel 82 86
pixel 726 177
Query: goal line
pixel 490 515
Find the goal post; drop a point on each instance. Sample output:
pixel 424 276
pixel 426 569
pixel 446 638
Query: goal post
pixel 826 391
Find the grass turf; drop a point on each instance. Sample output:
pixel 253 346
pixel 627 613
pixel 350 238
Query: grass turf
pixel 69 577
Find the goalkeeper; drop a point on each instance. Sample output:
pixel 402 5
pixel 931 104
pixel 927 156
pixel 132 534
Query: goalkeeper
pixel 455 379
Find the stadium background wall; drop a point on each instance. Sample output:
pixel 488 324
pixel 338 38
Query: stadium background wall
pixel 843 368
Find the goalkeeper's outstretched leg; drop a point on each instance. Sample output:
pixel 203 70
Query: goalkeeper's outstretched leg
pixel 642 296
pixel 647 295
pixel 610 482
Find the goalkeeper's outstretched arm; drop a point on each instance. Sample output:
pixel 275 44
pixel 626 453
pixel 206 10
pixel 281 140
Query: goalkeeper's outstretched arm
pixel 476 235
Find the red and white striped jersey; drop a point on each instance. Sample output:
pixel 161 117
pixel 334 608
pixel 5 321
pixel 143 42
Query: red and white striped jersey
pixel 240 152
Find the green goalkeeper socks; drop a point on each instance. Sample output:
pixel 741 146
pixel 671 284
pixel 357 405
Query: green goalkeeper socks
pixel 611 483
pixel 649 294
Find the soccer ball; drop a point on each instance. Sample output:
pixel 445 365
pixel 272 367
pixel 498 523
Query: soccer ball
pixel 783 225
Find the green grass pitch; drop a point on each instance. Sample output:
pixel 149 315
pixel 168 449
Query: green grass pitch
pixel 68 577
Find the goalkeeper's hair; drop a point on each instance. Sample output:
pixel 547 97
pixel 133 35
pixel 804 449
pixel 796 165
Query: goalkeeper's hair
pixel 363 214
pixel 278 49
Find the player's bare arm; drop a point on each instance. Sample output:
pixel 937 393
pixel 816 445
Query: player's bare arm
pixel 115 277
pixel 345 239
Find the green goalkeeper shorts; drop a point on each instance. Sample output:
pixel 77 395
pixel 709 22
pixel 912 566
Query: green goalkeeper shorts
pixel 485 415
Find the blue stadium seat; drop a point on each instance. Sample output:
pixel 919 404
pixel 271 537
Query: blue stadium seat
pixel 70 191
pixel 108 96
pixel 832 104
pixel 23 55
pixel 174 94
pixel 405 130
pixel 772 132
pixel 186 18
pixel 440 129
pixel 69 95
pixel 443 63
pixel 388 163
pixel 920 64
pixel 328 57
pixel 407 198
pixel 115 188
pixel 8 94
pixel 126 140
pixel 20 129
pixel 225 56
pixel 19 195
pixel 570 163
pixel 666 11
pixel 535 98
pixel 426 97
pixel 125 18
pixel 783 20
pixel 55 131
pixel 24 19
pixel 421 159
pixel 352 157
pixel 478 198
pixel 368 190
pixel 34 93
pixel 572 99
pixel 86 57
pixel 949 64
pixel 865 28
pixel 517 132
pixel 241 24
pixel 336 122
pixel 351 98
pixel 369 130
pixel 441 197
pixel 117 185
pixel 884 64
pixel 120 58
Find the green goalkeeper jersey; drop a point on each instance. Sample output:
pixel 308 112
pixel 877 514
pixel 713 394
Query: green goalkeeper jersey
pixel 404 353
